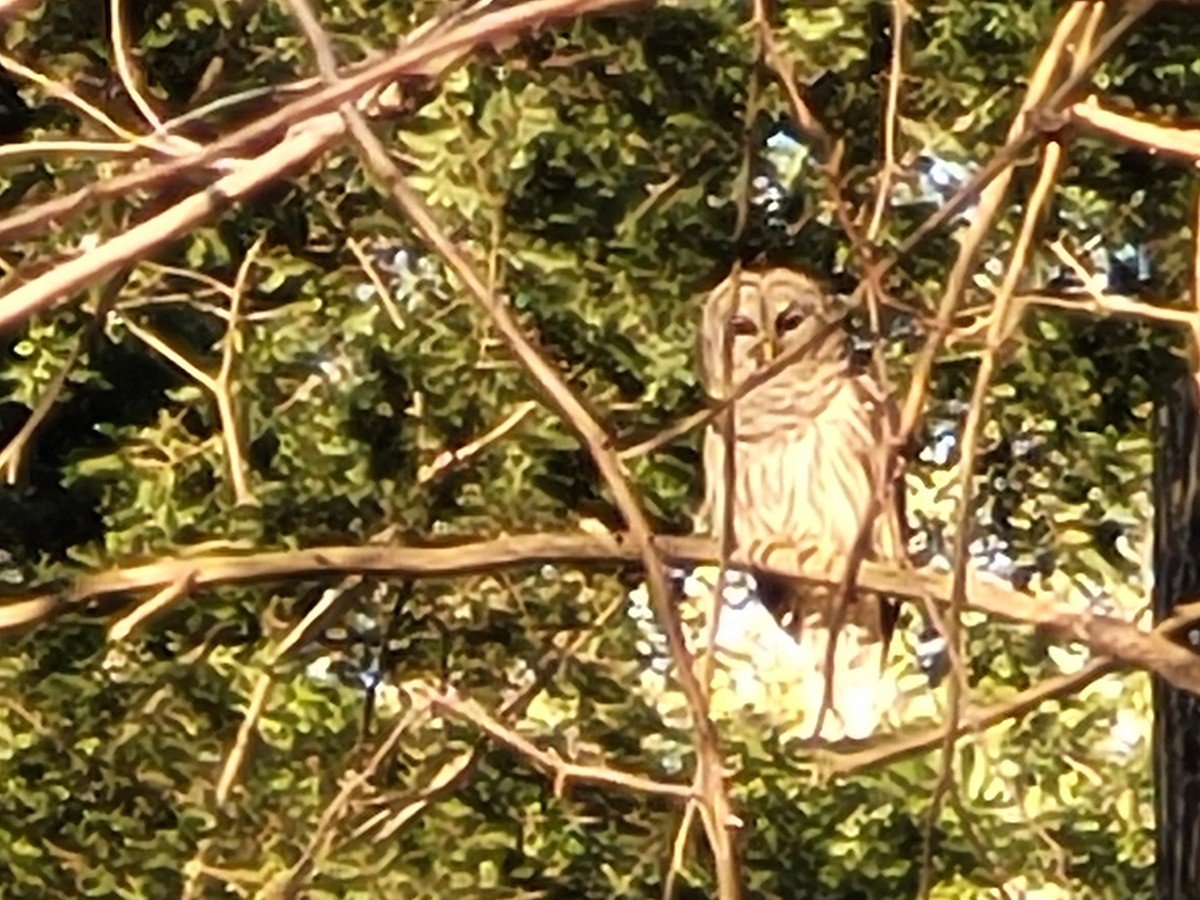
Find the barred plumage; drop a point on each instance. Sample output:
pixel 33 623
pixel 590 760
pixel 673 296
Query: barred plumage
pixel 807 450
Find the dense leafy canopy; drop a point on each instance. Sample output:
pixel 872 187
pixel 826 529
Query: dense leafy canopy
pixel 602 171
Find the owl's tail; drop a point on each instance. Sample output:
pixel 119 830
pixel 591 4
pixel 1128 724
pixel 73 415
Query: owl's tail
pixel 861 691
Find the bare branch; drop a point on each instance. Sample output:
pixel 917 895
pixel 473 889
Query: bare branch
pixel 1074 36
pixel 449 773
pixel 122 56
pixel 1019 143
pixel 224 387
pixel 63 280
pixel 322 836
pixel 891 749
pixel 309 128
pixel 549 760
pixel 718 817
pixel 891 119
pixel 969 451
pixel 372 273
pixel 221 385
pixel 70 97
pixel 1157 137
pixel 163 600
pixel 990 203
pixel 12 453
pixel 448 458
pixel 1106 635
pixel 236 758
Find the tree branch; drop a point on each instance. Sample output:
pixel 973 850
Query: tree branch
pixel 310 128
pixel 1106 635
pixel 549 760
pixel 1161 136
pixel 718 817
pixel 889 750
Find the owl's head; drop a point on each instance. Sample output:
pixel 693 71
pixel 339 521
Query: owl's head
pixel 760 315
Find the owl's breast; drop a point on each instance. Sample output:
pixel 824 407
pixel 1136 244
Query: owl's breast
pixel 804 481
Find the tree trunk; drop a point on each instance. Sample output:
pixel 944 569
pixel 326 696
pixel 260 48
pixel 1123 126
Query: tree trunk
pixel 1176 746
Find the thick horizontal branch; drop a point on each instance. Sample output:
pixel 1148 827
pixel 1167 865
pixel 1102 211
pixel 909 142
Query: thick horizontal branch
pixel 1168 311
pixel 1106 635
pixel 1138 131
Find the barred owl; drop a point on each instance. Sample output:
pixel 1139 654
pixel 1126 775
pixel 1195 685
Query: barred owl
pixel 808 450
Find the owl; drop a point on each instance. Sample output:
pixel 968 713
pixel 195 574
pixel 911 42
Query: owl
pixel 808 448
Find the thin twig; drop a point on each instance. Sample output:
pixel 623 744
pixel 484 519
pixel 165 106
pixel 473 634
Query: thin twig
pixel 220 386
pixel 235 760
pixel 164 349
pixel 67 95
pixel 1100 304
pixel 562 771
pixel 41 149
pixel 447 458
pixel 121 55
pixel 1159 137
pixel 891 117
pixel 167 597
pixel 972 428
pixel 14 450
pixel 679 849
pixel 241 745
pixel 321 839
pixel 372 273
pixel 224 386
pixel 214 284
pixel 972 720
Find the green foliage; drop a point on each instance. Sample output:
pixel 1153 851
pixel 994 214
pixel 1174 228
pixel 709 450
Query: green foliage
pixel 593 171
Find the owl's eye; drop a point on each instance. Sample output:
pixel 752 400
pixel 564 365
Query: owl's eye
pixel 740 324
pixel 789 319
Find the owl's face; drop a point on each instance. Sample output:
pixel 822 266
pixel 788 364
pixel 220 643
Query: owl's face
pixel 759 316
